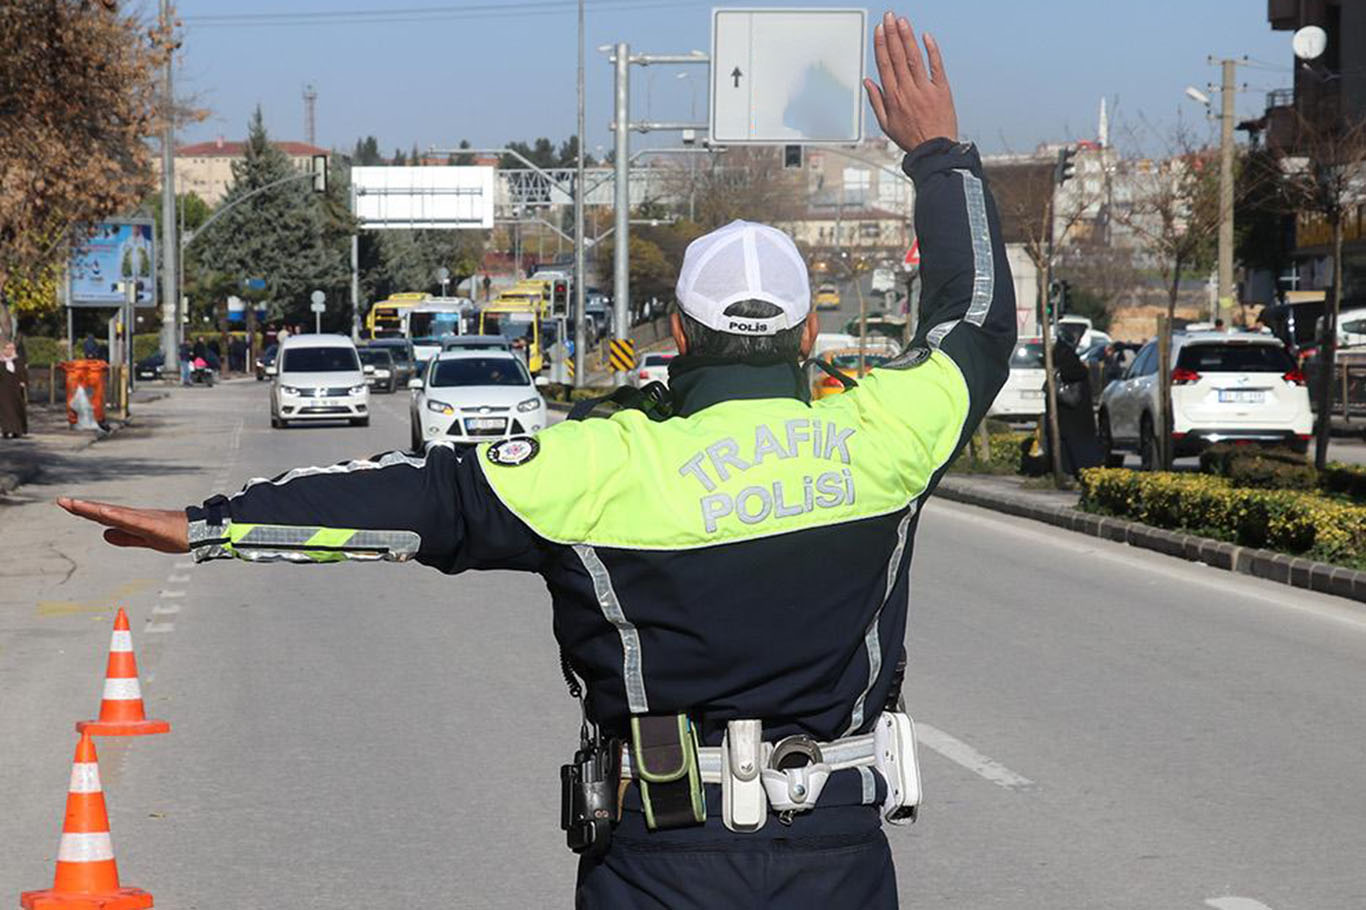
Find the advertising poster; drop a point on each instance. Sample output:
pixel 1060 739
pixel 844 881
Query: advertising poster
pixel 112 252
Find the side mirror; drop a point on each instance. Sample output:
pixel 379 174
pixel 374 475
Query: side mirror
pixel 415 385
pixel 271 371
pixel 369 369
pixel 542 381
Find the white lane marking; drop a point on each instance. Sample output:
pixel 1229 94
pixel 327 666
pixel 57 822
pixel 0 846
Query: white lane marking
pixel 165 609
pixel 1146 561
pixel 171 594
pixel 184 565
pixel 177 579
pixel 153 628
pixel 959 752
pixel 1235 903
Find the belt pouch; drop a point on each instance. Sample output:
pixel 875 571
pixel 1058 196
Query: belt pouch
pixel 664 759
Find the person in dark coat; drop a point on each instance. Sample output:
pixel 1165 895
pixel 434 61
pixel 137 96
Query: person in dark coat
pixel 1076 419
pixel 13 392
pixel 237 355
pixel 91 347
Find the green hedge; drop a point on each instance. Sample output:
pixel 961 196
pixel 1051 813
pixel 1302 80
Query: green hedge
pixel 1265 469
pixel 1289 521
pixel 1005 455
pixel 1347 480
pixel 44 351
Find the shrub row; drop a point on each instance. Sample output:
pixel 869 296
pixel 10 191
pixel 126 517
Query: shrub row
pixel 1344 480
pixel 1266 469
pixel 1005 455
pixel 1289 521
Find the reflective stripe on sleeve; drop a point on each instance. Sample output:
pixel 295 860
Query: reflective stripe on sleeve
pixel 983 264
pixel 630 638
pixel 872 642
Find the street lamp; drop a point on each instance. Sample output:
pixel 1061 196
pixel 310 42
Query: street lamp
pixel 1197 96
pixel 443 275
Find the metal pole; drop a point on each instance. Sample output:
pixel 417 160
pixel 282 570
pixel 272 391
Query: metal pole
pixel 1224 304
pixel 355 287
pixel 580 273
pixel 621 284
pixel 130 300
pixel 170 286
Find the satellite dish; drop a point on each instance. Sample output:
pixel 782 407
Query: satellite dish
pixel 1309 42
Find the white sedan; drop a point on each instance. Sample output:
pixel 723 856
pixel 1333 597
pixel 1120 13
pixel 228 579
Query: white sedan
pixel 474 396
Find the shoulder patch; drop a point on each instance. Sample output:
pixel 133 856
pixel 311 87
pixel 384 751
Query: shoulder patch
pixel 908 359
pixel 511 452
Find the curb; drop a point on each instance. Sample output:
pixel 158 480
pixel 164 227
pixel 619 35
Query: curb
pixel 1279 567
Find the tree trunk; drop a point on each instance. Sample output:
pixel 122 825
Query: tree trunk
pixel 1163 427
pixel 1328 352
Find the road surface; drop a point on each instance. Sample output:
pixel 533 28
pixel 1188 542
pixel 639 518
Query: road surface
pixel 1101 726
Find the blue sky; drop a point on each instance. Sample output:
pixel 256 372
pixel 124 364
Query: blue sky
pixel 1023 72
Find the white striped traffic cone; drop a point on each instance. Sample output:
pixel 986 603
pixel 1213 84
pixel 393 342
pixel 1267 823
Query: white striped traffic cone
pixel 121 711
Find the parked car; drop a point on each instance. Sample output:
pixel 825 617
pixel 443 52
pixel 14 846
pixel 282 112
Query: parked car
pixel 654 367
pixel 264 361
pixel 149 367
pixel 474 396
pixel 405 361
pixel 1225 387
pixel 319 377
pixel 381 378
pixel 1022 396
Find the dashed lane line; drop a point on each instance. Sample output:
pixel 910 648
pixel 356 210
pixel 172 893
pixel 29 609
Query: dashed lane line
pixel 165 609
pixel 960 753
pixel 170 595
pixel 1235 903
pixel 158 628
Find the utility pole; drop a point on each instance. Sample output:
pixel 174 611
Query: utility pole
pixel 170 286
pixel 580 187
pixel 1229 94
pixel 621 121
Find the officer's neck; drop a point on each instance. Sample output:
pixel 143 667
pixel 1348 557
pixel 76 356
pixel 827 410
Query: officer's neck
pixel 698 382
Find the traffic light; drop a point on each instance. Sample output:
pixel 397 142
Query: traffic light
pixel 1058 291
pixel 1065 169
pixel 559 299
pixel 792 156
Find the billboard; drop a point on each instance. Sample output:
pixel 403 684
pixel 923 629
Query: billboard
pixel 105 256
pixel 440 196
pixel 787 76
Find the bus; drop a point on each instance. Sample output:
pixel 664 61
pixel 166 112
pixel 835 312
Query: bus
pixel 385 319
pixel 518 322
pixel 425 323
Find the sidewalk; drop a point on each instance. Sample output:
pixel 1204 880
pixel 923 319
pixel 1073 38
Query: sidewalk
pixel 51 441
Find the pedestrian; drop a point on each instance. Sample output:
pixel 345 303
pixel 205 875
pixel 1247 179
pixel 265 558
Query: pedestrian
pixel 186 357
pixel 237 354
pixel 200 349
pixel 282 334
pixel 13 392
pixel 730 570
pixel 90 347
pixel 1076 416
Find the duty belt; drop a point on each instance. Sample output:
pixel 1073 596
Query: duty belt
pixel 788 776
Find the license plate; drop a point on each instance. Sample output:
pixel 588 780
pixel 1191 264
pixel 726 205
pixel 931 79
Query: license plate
pixel 327 402
pixel 1241 396
pixel 1031 393
pixel 485 423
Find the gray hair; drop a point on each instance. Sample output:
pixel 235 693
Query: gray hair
pixel 704 341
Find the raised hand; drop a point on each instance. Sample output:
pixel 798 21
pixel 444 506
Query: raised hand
pixel 165 530
pixel 913 104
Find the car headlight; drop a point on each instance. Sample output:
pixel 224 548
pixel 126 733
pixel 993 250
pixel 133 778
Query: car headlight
pixel 357 389
pixel 530 404
pixel 290 390
pixel 440 407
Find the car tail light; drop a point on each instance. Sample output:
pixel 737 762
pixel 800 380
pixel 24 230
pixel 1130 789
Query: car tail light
pixel 1296 377
pixel 1304 436
pixel 830 382
pixel 644 374
pixel 1183 376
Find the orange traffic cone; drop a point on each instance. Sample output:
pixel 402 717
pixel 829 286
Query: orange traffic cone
pixel 87 878
pixel 121 712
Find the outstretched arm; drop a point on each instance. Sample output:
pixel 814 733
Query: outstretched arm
pixel 436 509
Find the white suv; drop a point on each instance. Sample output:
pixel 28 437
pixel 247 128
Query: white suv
pixel 1237 387
pixel 318 377
pixel 1022 394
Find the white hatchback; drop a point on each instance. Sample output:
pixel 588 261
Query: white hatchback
pixel 1226 387
pixel 318 377
pixel 474 396
pixel 654 367
pixel 1022 396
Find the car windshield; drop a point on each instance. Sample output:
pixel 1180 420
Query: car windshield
pixel 379 358
pixel 399 351
pixel 850 361
pixel 425 326
pixel 1028 356
pixel 1235 358
pixel 468 371
pixel 476 346
pixel 320 360
pixel 657 360
pixel 826 289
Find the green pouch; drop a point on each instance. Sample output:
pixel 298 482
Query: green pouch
pixel 664 758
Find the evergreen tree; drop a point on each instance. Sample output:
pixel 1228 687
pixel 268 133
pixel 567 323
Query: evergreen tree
pixel 366 153
pixel 288 235
pixel 398 160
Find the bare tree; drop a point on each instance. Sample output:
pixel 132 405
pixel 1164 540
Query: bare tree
pixel 77 101
pixel 1329 181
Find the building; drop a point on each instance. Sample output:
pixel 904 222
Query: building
pixel 205 168
pixel 1327 91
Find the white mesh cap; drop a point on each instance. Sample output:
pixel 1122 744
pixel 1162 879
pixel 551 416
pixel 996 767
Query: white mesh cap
pixel 744 261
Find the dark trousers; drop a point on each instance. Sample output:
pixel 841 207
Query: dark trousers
pixel 839 860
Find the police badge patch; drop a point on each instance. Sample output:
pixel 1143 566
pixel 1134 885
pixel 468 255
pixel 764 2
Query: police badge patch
pixel 511 452
pixel 908 359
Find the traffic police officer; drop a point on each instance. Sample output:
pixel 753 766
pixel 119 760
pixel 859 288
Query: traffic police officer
pixel 729 570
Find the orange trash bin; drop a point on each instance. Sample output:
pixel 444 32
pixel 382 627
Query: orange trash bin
pixel 88 373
